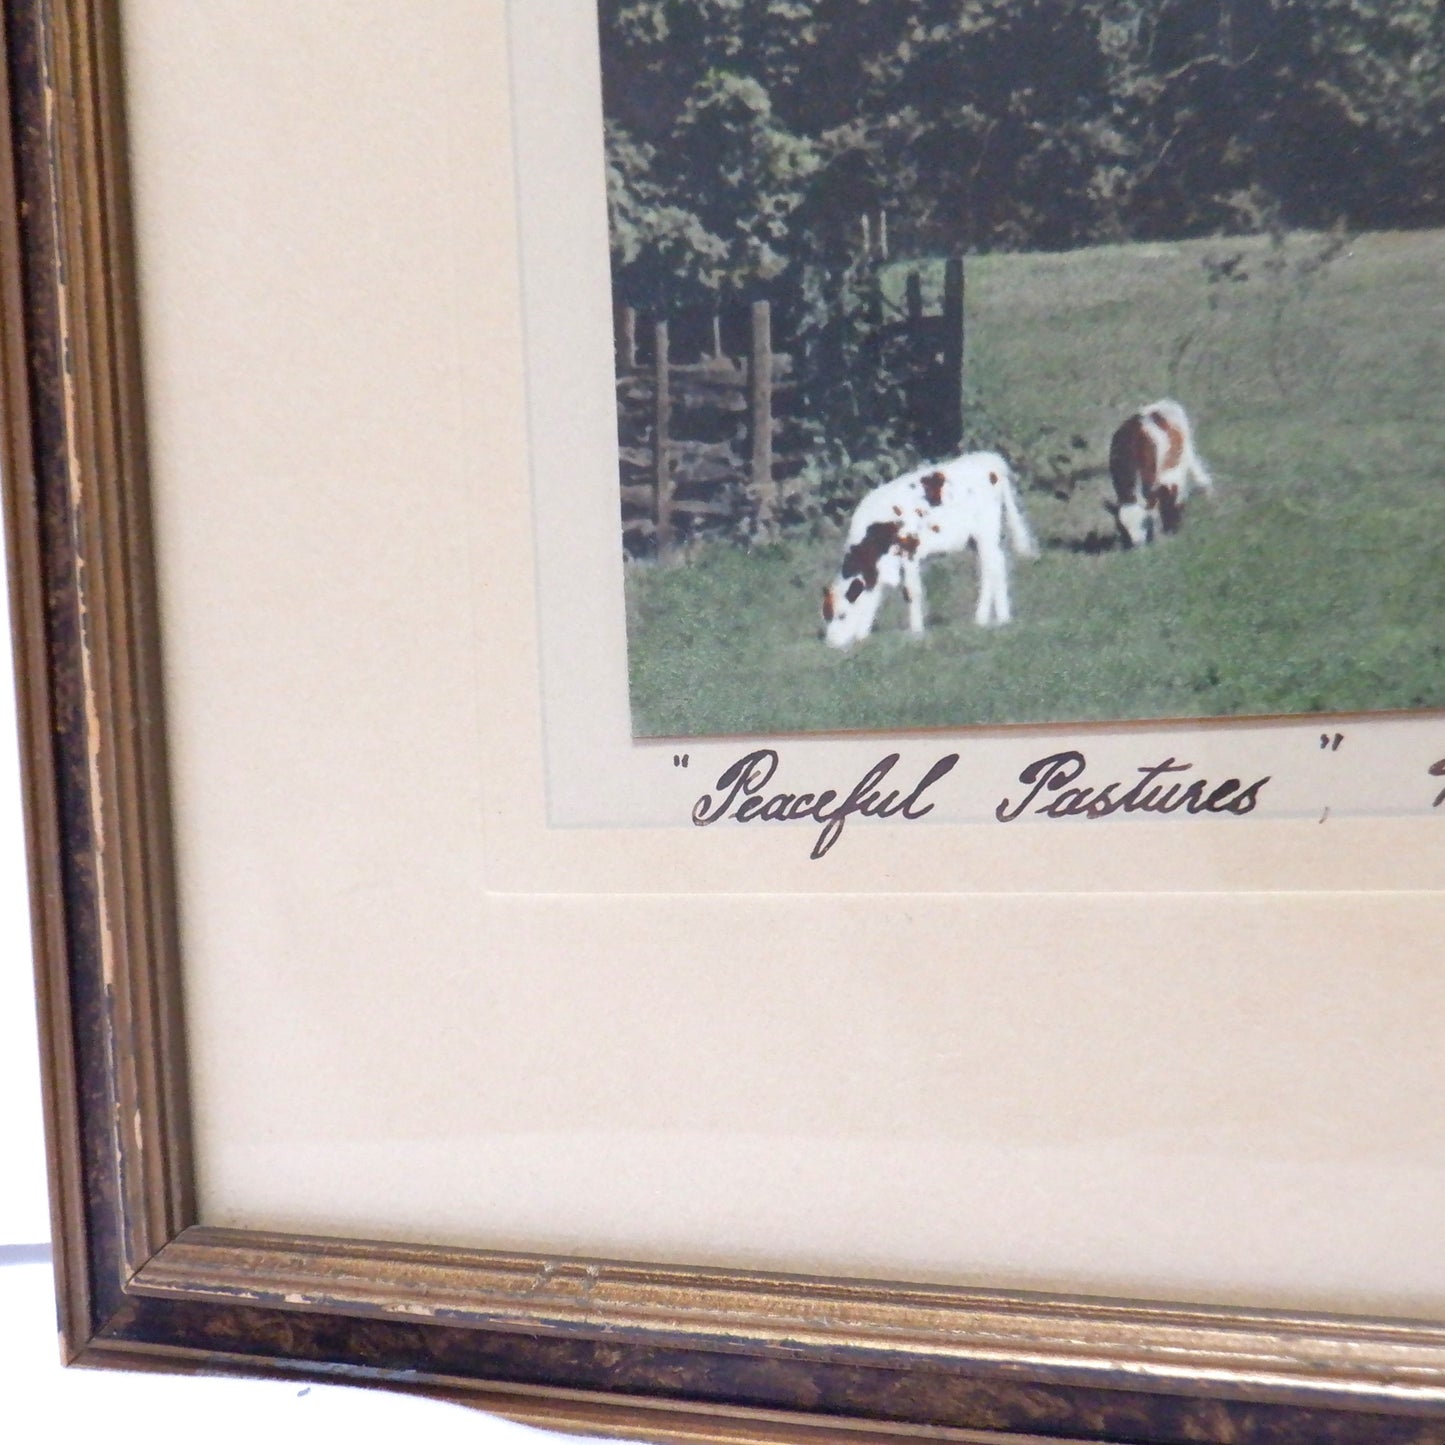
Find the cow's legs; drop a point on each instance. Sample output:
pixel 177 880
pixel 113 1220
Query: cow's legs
pixel 1170 512
pixel 913 593
pixel 993 604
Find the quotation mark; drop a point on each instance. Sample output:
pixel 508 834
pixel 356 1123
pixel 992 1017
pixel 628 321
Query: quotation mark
pixel 1332 743
pixel 679 760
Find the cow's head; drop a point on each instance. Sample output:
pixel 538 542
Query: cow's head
pixel 1137 523
pixel 850 603
pixel 849 607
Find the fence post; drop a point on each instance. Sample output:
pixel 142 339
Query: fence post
pixel 661 419
pixel 760 411
pixel 913 297
pixel 953 338
pixel 627 337
pixel 875 298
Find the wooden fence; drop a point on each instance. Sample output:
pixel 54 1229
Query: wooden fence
pixel 699 439
pixel 704 444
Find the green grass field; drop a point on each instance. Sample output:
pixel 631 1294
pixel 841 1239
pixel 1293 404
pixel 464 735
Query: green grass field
pixel 1312 581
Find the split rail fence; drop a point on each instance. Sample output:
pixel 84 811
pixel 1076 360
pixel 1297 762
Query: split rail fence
pixel 699 439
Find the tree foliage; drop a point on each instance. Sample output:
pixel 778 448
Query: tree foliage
pixel 746 138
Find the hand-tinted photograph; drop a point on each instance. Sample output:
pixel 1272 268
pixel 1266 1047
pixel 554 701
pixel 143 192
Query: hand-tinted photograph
pixel 1013 361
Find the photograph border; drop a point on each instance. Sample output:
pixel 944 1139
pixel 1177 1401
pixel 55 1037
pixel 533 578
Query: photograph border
pixel 572 1343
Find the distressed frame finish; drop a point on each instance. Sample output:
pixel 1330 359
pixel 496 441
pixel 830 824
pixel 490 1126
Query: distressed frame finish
pixel 664 1353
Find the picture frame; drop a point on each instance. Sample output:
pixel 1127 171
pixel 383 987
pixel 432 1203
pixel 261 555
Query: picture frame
pixel 575 1342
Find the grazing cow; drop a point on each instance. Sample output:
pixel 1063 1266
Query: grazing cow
pixel 935 509
pixel 1153 463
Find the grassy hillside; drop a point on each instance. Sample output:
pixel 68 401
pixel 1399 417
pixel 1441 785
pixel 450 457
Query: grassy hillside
pixel 1314 579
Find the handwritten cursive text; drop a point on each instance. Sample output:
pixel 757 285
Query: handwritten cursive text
pixel 741 795
pixel 1053 780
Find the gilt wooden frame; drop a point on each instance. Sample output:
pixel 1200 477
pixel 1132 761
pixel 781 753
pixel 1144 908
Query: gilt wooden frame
pixel 663 1353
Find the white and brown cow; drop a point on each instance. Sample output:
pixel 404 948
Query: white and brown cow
pixel 1153 463
pixel 940 508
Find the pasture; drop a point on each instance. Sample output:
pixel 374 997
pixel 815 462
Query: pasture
pixel 1313 580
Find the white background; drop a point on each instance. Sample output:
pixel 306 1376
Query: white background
pixel 24 1216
